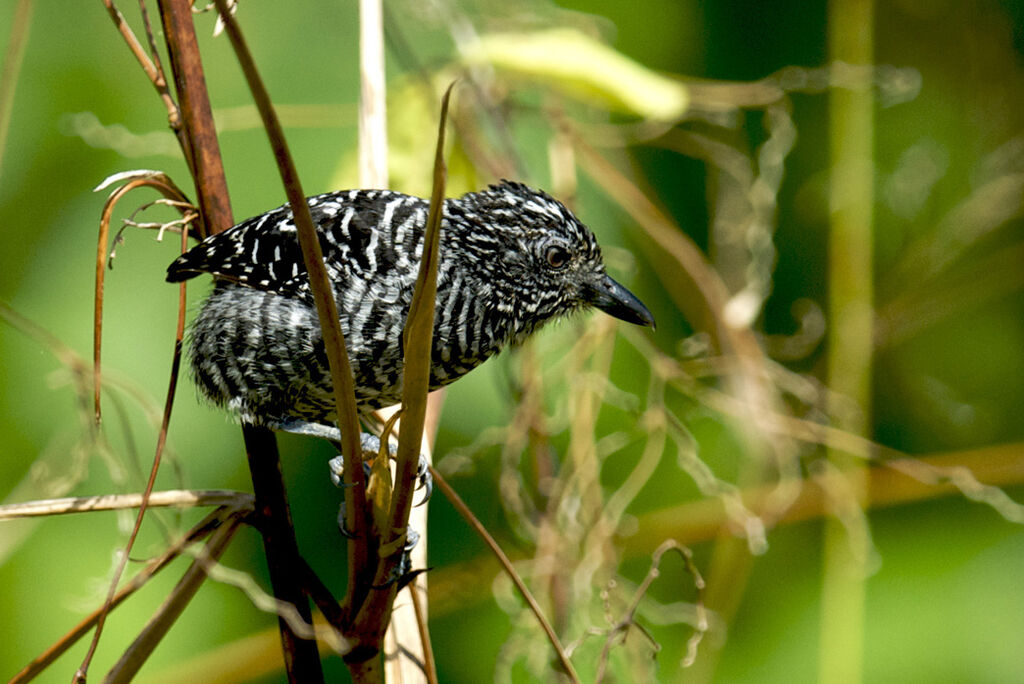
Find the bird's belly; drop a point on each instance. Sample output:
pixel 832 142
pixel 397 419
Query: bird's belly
pixel 261 355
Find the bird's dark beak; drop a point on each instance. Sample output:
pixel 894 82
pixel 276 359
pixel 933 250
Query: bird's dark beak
pixel 617 301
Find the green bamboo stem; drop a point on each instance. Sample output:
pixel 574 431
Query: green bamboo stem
pixel 850 305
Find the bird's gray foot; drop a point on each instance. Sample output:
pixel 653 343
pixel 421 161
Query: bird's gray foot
pixel 370 446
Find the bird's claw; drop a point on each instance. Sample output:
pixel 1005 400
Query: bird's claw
pixel 403 568
pixel 370 444
pixel 337 468
pixel 424 479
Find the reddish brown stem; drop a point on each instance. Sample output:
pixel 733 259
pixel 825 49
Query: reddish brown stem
pixel 197 115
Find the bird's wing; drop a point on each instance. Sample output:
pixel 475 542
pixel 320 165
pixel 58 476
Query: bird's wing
pixel 263 252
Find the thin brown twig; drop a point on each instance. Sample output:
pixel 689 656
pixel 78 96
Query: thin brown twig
pixel 506 564
pixel 301 658
pixel 161 78
pixel 136 655
pixel 429 664
pixel 341 373
pixel 153 69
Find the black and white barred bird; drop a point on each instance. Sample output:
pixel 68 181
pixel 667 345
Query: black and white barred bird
pixel 511 259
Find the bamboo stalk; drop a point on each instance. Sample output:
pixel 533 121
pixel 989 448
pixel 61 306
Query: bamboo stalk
pixel 847 546
pixel 11 69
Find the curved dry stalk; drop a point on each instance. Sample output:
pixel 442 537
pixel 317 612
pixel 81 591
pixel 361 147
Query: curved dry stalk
pixel 175 498
pixel 301 659
pixel 130 180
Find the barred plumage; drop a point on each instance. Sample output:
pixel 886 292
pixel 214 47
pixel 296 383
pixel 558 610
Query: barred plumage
pixel 511 259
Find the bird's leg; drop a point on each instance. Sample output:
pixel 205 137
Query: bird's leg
pixel 369 445
pixel 379 495
pixel 300 427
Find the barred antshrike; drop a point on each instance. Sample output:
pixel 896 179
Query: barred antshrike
pixel 511 259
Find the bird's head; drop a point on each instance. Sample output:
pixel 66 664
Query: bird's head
pixel 537 252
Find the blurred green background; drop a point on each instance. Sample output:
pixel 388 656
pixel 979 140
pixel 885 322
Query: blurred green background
pixel 943 600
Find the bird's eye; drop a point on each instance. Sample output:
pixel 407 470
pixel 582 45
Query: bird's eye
pixel 557 256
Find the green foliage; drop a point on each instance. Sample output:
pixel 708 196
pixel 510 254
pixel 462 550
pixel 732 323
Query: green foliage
pixel 587 448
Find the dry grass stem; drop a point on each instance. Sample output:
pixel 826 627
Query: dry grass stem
pixel 11 69
pixel 187 498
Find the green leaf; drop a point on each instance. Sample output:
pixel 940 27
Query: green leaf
pixel 585 68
